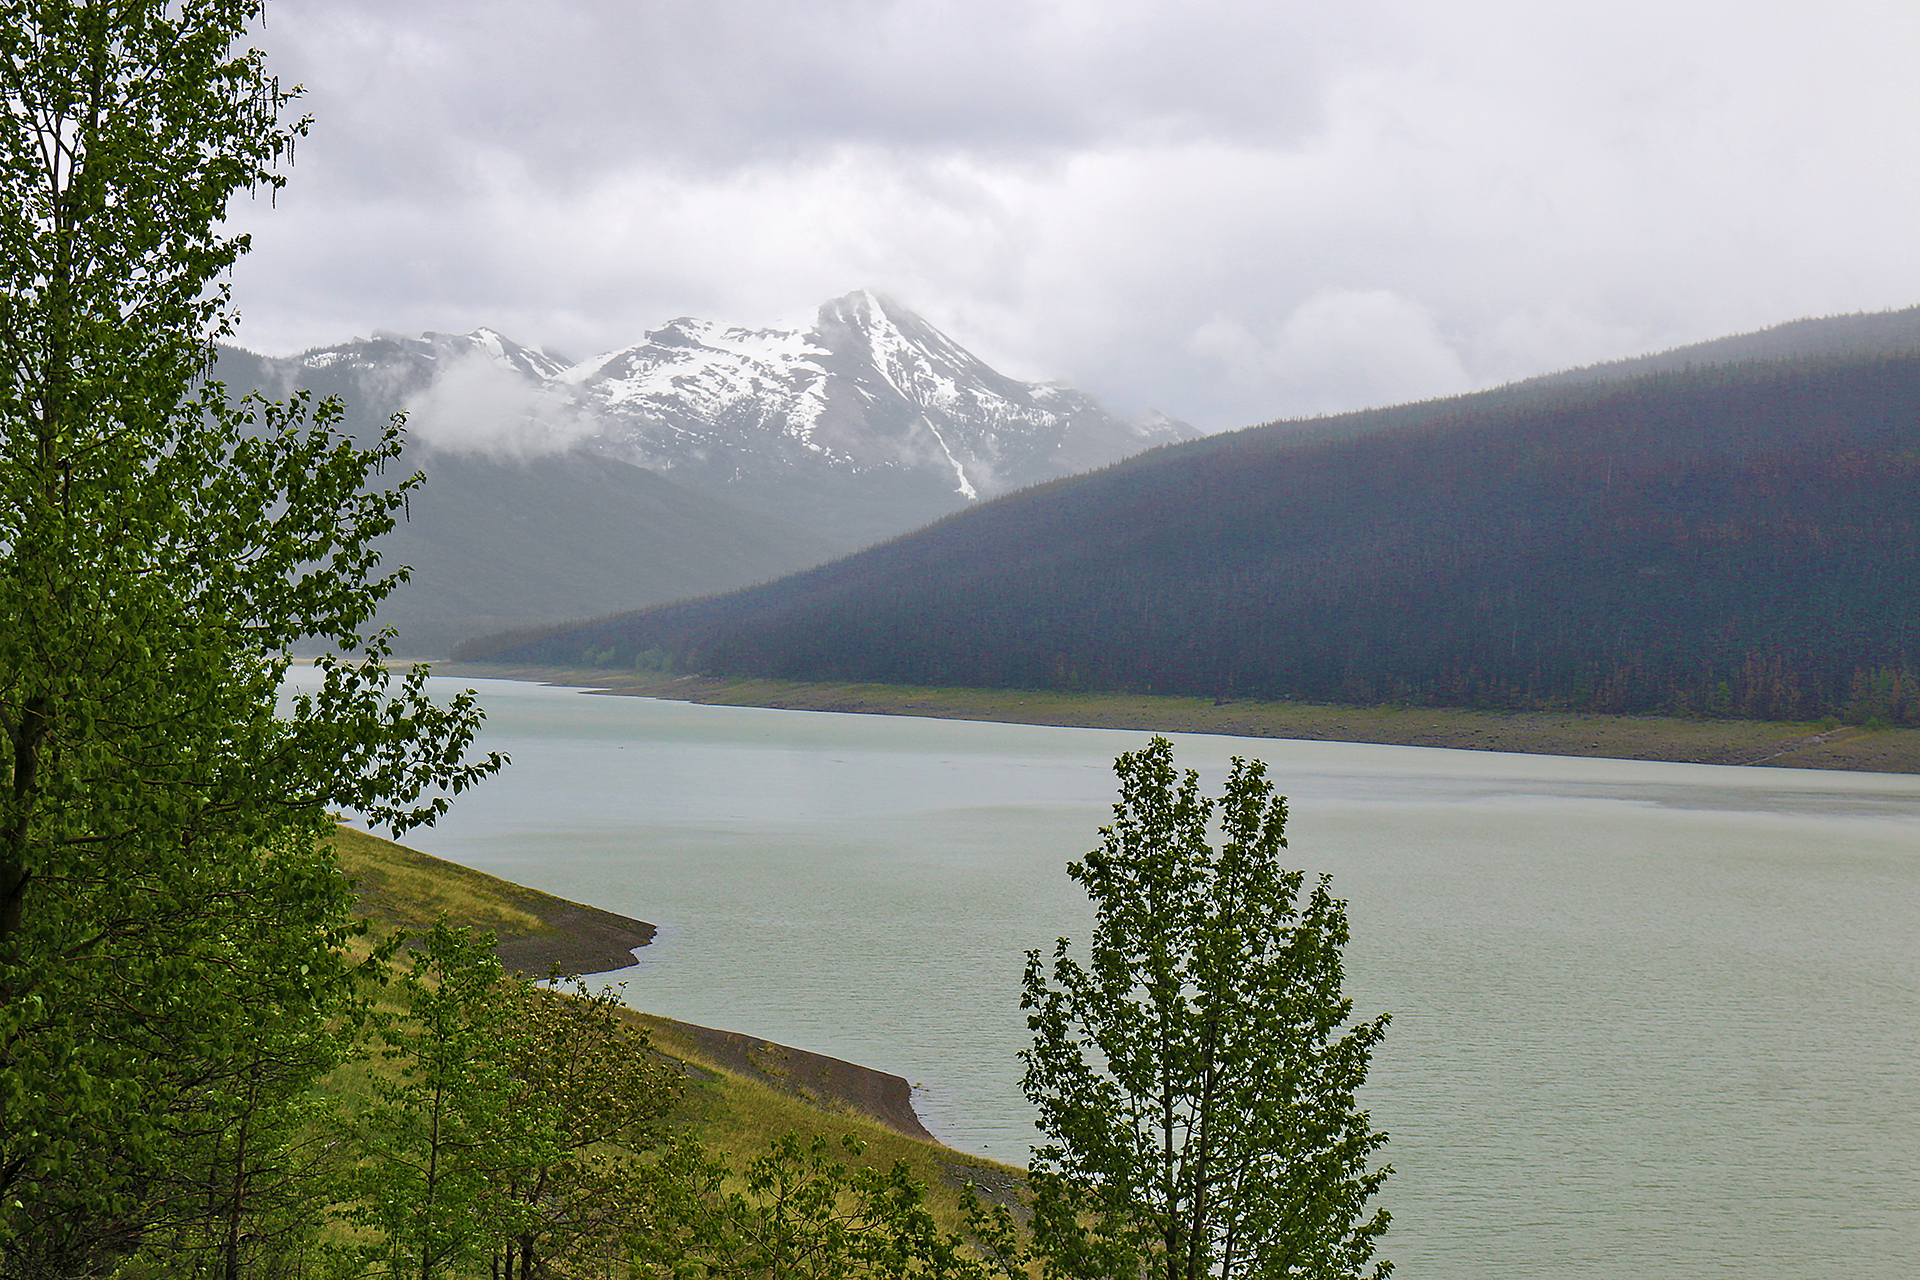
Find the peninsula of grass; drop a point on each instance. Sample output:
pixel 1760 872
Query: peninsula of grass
pixel 1668 738
pixel 402 888
pixel 742 1092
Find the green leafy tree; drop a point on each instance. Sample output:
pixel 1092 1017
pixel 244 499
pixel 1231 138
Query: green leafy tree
pixel 442 1135
pixel 590 1097
pixel 161 551
pixel 220 1176
pixel 799 1211
pixel 254 1154
pixel 1196 1077
pixel 509 1123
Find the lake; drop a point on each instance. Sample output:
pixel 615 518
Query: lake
pixel 1649 1019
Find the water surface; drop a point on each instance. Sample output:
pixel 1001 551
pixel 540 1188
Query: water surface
pixel 1649 1019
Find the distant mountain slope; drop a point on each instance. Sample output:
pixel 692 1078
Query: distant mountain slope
pixel 498 543
pixel 699 460
pixel 498 540
pixel 1846 337
pixel 1744 538
pixel 1876 333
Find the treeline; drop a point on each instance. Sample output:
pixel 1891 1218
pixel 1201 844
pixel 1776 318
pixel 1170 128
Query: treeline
pixel 1726 541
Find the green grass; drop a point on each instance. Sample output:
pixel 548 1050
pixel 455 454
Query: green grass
pixel 736 1116
pixel 402 888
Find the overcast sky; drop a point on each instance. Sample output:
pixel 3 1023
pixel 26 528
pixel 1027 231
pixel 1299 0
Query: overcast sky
pixel 1228 210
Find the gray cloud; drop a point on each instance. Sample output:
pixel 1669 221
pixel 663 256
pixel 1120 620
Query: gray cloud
pixel 1231 211
pixel 427 90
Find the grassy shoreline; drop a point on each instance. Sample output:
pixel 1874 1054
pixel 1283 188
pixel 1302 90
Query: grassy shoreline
pixel 743 1090
pixel 403 889
pixel 1730 742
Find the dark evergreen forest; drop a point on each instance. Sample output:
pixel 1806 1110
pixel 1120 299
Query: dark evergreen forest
pixel 1733 540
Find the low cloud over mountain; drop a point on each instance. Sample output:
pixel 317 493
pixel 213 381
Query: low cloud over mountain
pixel 787 446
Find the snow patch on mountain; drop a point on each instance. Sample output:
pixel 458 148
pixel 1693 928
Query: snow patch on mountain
pixel 696 380
pixel 867 395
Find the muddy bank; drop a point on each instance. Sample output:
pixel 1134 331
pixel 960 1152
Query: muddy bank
pixel 827 1083
pixel 1732 742
pixel 535 932
pixel 402 888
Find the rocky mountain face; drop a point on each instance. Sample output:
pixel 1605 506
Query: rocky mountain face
pixel 870 393
pixel 784 447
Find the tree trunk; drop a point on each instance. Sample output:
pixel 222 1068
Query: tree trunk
pixel 31 732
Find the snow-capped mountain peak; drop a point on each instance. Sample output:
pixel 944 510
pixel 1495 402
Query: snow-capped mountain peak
pixel 419 357
pixel 868 403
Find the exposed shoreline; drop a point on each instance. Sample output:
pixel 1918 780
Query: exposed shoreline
pixel 830 1084
pixel 535 933
pixel 403 888
pixel 1730 742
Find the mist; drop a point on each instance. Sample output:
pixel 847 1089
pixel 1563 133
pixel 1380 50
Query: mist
pixel 475 405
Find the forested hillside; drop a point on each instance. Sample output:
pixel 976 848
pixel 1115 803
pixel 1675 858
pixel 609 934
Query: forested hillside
pixel 1860 335
pixel 1737 539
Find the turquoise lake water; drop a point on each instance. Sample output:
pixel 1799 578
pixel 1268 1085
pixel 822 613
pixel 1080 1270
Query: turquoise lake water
pixel 1649 1019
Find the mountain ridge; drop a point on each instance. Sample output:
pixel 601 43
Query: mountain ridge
pixel 869 401
pixel 739 454
pixel 1739 538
